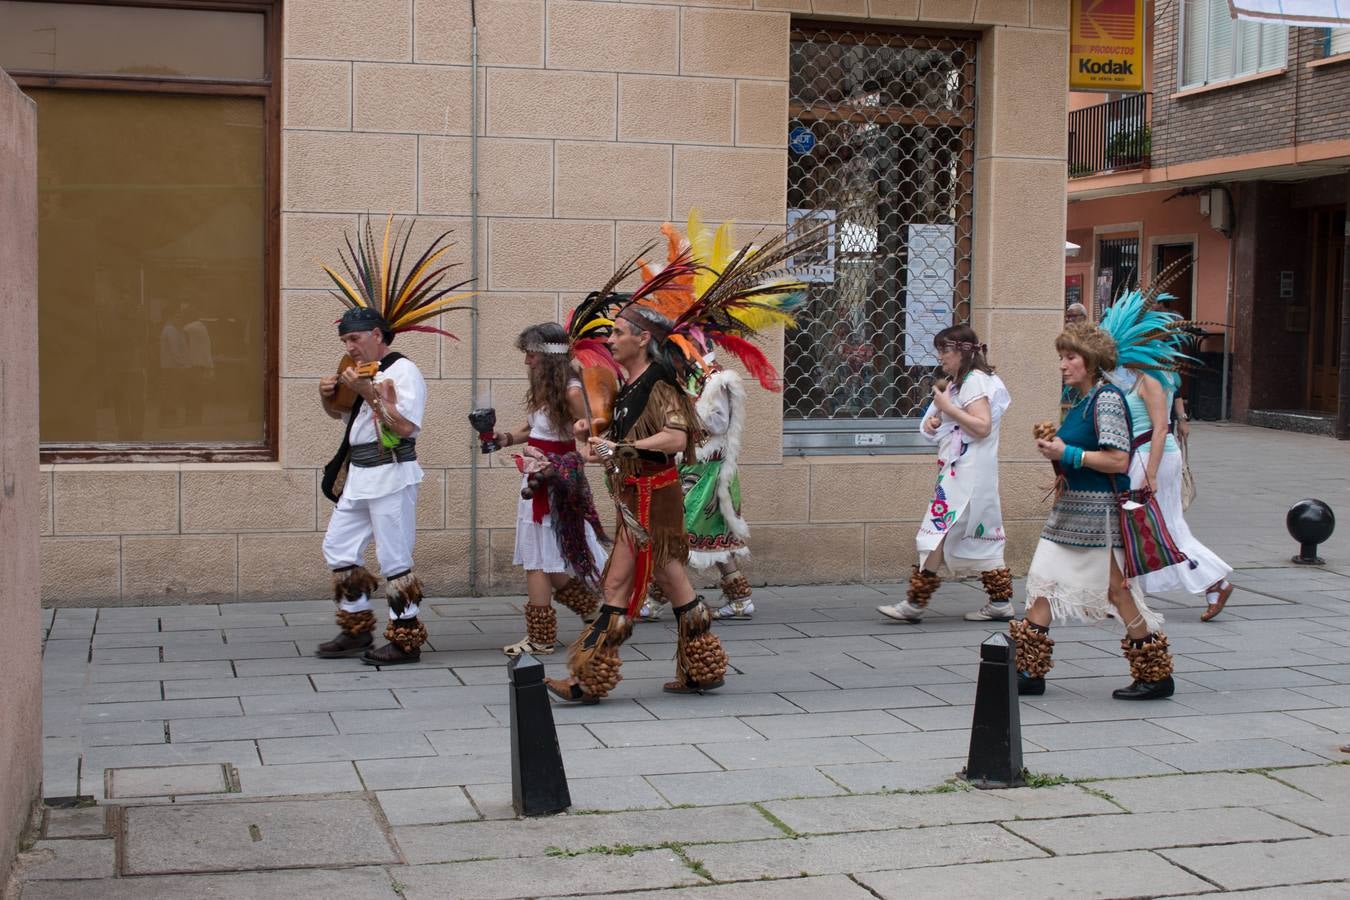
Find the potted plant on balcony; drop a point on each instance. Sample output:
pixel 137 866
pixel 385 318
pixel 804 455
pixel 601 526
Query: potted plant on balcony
pixel 1130 148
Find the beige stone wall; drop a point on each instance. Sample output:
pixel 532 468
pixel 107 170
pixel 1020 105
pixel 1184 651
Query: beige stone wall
pixel 21 663
pixel 599 120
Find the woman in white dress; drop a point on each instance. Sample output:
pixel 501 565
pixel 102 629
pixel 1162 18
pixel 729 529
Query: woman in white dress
pixel 1149 342
pixel 962 526
pixel 559 538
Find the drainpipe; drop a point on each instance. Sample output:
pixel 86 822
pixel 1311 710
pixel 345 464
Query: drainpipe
pixel 1343 388
pixel 473 301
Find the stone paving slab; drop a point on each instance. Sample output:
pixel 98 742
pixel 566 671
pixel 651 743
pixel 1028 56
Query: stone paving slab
pixel 1131 733
pixel 427 806
pixel 655 732
pixel 1101 875
pixel 942 845
pixel 168 781
pixel 1148 831
pixel 1208 756
pixel 1236 866
pixel 1330 816
pixel 745 786
pixel 836 887
pixel 1206 791
pixel 236 687
pixel 363 883
pixel 890 811
pixel 505 879
pixel 253 835
pixel 535 837
pixel 341 747
pixel 70 859
pixel 915 774
pixel 284 704
pixel 261 726
pixel 819 751
pixel 1319 781
pixel 89 821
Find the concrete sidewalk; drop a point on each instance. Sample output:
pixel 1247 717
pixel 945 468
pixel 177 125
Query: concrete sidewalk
pixel 220 759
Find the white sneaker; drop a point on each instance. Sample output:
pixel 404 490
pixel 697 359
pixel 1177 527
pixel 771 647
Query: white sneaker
pixel 525 645
pixel 736 609
pixel 650 611
pixel 904 611
pixel 992 612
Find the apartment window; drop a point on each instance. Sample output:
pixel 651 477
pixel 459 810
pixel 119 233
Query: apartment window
pixel 156 173
pixel 1216 47
pixel 1338 41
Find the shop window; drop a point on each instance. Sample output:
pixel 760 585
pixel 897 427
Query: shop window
pixel 1216 47
pixel 881 148
pixel 156 271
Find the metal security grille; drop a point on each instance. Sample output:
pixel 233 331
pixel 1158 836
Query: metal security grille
pixel 881 145
pixel 1117 269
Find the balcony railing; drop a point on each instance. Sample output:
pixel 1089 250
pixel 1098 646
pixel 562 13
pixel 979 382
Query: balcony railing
pixel 1110 137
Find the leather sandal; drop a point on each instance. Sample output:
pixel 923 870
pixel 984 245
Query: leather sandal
pixel 686 687
pixel 569 693
pixel 1217 606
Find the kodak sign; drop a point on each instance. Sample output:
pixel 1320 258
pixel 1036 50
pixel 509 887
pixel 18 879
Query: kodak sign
pixel 1106 45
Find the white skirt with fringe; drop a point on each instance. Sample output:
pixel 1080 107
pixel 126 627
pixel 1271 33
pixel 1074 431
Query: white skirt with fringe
pixel 1075 582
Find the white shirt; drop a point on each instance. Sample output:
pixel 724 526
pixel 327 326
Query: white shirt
pixel 410 391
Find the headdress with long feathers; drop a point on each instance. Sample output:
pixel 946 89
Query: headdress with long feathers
pixel 375 278
pixel 730 295
pixel 1150 339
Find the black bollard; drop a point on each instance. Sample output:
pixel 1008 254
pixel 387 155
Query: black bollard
pixel 538 781
pixel 1310 522
pixel 995 759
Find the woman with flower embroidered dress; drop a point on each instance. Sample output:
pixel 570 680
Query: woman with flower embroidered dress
pixel 962 527
pixel 1150 345
pixel 558 532
pixel 1075 574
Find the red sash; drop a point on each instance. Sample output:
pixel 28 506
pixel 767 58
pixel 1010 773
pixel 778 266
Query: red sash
pixel 642 573
pixel 540 498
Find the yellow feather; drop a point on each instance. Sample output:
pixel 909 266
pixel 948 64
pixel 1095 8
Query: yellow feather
pixel 411 281
pixel 594 325
pixel 384 261
pixel 346 288
pixel 430 309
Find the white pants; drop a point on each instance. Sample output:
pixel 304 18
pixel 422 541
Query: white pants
pixel 391 520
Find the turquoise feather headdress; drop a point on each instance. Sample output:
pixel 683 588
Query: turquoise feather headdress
pixel 1149 339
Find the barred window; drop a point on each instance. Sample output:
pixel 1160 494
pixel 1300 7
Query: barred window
pixel 881 147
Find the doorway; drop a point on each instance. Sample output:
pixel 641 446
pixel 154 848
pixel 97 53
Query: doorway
pixel 1182 283
pixel 1327 290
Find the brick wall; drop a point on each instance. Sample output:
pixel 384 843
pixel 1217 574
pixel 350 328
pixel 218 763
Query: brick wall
pixel 1302 105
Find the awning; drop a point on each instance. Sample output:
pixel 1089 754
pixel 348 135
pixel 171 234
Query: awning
pixel 1071 249
pixel 1307 13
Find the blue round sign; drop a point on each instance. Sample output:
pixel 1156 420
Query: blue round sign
pixel 801 140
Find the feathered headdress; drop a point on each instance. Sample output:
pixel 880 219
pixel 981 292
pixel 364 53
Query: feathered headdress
pixel 732 295
pixel 376 278
pixel 1150 339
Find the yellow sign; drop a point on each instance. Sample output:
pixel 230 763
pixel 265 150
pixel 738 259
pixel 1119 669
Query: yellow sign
pixel 1106 45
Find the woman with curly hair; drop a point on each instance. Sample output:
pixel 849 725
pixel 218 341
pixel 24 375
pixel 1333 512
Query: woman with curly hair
pixel 1075 573
pixel 558 533
pixel 962 524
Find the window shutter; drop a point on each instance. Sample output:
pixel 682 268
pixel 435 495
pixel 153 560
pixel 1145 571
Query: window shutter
pixel 1339 42
pixel 1194 41
pixel 1247 40
pixel 1220 62
pixel 1274 46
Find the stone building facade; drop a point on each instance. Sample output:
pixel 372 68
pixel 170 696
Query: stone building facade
pixel 597 122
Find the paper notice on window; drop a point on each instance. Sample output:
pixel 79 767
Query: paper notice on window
pixel 930 284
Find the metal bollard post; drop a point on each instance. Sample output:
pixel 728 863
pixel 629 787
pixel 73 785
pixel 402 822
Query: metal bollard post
pixel 538 781
pixel 1310 522
pixel 995 759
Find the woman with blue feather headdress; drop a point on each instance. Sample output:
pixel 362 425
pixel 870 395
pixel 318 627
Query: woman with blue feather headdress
pixel 1151 345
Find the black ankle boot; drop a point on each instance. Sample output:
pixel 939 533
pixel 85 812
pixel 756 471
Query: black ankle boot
pixel 1028 686
pixel 1146 690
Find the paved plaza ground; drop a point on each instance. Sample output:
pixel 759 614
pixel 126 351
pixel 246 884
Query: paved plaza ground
pixel 220 759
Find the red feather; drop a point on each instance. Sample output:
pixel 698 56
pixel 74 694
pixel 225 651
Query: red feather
pixel 754 360
pixel 592 352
